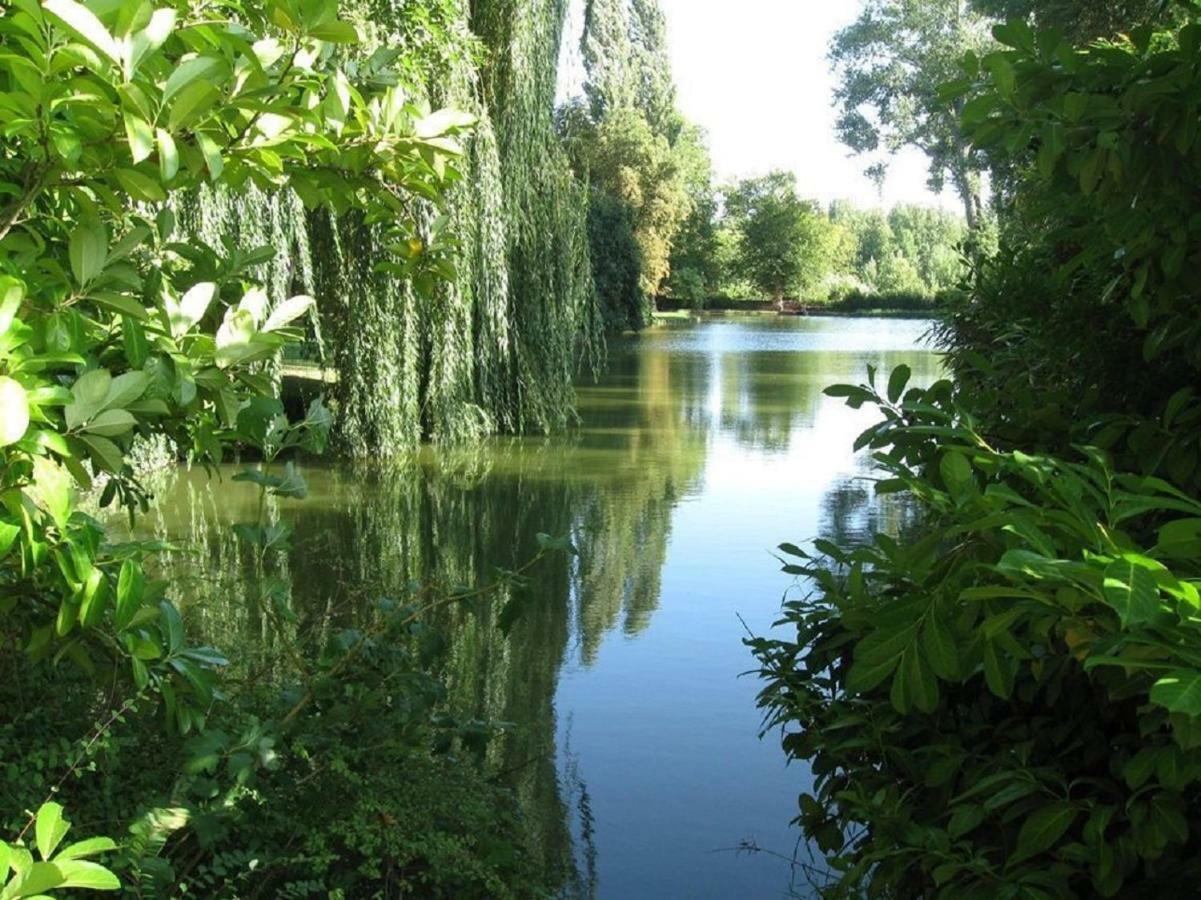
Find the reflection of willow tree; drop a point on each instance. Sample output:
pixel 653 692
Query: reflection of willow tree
pixel 767 395
pixel 654 451
pixel 452 519
pixel 851 511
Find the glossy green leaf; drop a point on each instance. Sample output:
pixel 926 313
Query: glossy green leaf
pixel 84 23
pixel 130 587
pixel 149 39
pixel 1179 691
pixel 1132 591
pixel 140 135
pixel 288 311
pixel 168 154
pixel 88 250
pixel 1042 830
pixel 897 382
pixel 12 293
pixel 49 828
pixel 110 423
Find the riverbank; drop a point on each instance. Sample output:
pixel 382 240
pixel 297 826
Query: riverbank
pixel 830 311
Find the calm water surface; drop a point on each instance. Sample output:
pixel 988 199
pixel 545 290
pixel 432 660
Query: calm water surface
pixel 635 749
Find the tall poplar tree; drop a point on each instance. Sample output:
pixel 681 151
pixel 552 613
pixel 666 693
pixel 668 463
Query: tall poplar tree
pixel 608 56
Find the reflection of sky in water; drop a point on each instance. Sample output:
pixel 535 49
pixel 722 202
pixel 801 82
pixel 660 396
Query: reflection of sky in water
pixel 662 729
pixel 702 447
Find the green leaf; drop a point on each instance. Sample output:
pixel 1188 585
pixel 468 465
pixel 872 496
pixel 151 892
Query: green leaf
pixel 955 470
pixel 190 308
pixel 78 873
pixel 140 136
pixel 191 104
pixel 105 452
pixel 125 388
pixel 442 121
pixel 876 656
pixel 89 847
pixel 133 339
pixel 1132 591
pixel 210 69
pixel 964 819
pixel 288 311
pixel 110 423
pixel 149 39
pixel 897 381
pixel 1043 829
pixel 1015 33
pixel 83 22
pixel 14 411
pixel 140 185
pixel 920 683
pixel 1180 539
pixel 52 489
pixel 130 590
pixel 88 395
pixel 87 250
pixel 336 32
pixel 36 880
pixel 49 828
pixel 8 536
pixel 173 624
pixel 1179 691
pixel 999 670
pixel 939 646
pixel 211 152
pixel 168 154
pixel 12 292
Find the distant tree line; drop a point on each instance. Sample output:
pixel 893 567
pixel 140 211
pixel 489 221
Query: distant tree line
pixel 758 239
pixel 660 226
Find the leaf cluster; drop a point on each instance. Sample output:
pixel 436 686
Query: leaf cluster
pixel 1007 703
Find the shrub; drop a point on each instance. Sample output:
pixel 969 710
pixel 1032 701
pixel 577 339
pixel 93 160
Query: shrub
pixel 1007 703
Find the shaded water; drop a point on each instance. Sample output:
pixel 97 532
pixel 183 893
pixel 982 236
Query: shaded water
pixel 635 748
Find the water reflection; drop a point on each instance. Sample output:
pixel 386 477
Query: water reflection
pixel 634 751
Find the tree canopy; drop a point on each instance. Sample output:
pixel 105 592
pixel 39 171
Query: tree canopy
pixel 889 64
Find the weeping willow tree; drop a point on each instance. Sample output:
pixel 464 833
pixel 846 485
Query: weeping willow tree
pixel 497 343
pixel 552 310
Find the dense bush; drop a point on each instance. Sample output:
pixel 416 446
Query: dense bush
pixel 1006 701
pixel 1084 326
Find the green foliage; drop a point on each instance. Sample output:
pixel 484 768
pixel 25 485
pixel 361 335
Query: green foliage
pixel 1081 20
pixel 782 239
pixel 1005 702
pixel 696 267
pixel 629 144
pixel 1091 298
pixel 110 328
pixel 113 325
pixel 628 165
pixel 911 250
pixel 21 875
pixel 553 329
pixel 889 63
pixel 616 264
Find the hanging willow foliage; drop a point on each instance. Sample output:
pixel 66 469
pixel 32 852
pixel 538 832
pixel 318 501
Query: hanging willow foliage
pixel 553 313
pixel 497 347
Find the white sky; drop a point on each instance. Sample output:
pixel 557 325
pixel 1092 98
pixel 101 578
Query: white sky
pixel 754 74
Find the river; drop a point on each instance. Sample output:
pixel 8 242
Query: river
pixel 634 745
